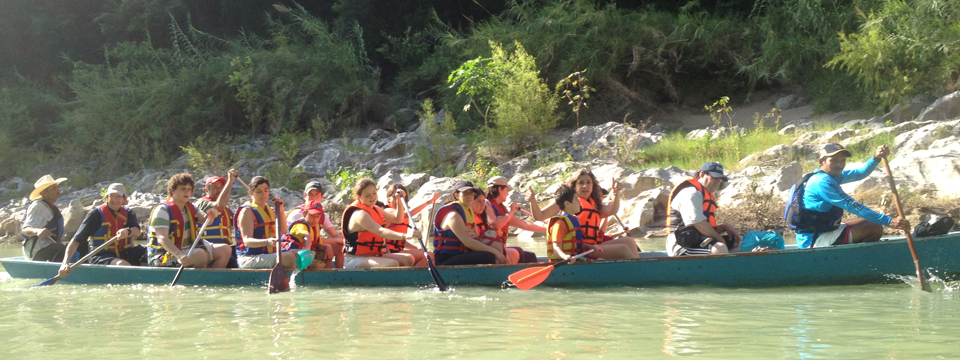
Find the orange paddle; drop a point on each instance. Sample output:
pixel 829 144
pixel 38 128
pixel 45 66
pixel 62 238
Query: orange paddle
pixel 528 278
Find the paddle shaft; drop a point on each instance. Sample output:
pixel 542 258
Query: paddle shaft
pixel 553 266
pixel 54 279
pixel 913 249
pixel 192 246
pixel 433 269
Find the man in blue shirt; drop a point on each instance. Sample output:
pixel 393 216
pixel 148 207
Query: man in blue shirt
pixel 824 201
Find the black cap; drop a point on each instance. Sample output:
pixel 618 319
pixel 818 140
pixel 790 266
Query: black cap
pixel 313 185
pixel 463 185
pixel 833 149
pixel 714 169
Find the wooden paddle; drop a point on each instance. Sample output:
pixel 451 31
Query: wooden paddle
pixel 913 250
pixel 433 269
pixel 528 278
pixel 279 282
pixel 193 246
pixel 54 279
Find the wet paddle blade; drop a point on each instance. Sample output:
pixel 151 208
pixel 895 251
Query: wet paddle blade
pixel 279 282
pixel 49 281
pixel 526 279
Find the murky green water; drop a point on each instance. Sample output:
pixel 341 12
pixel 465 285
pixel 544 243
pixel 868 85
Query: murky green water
pixel 853 322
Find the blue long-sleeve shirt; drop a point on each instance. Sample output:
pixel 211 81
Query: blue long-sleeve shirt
pixel 823 192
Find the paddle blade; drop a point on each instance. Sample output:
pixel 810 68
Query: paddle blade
pixel 528 278
pixel 279 282
pixel 49 281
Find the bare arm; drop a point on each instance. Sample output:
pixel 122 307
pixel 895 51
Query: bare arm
pixel 519 223
pixel 707 230
pixel 417 209
pixel 453 222
pixel 607 210
pixel 224 196
pixel 362 221
pixel 246 230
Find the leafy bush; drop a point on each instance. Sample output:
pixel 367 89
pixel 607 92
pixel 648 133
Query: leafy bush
pixel 208 154
pixel 345 178
pixel 438 145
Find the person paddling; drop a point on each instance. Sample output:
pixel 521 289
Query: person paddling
pixel 302 235
pixel 102 223
pixel 42 224
pixel 592 210
pixel 173 228
pixel 393 206
pixel 217 191
pixel 692 216
pixel 255 233
pixel 500 220
pixel 455 240
pixel 364 230
pixel 822 204
pixel 314 192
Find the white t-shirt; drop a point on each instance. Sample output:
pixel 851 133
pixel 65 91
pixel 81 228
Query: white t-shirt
pixel 39 214
pixel 689 202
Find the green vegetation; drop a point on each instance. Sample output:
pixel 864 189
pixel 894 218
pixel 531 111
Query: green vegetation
pixel 676 150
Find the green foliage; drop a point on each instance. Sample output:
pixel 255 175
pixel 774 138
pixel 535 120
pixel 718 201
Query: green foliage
pixel 208 154
pixel 345 178
pixel 676 150
pixel 476 79
pixel 285 175
pixel 905 48
pixel 523 108
pixel 864 150
pixel 438 146
pixel 576 90
pixel 241 78
pixel 719 110
pixel 287 145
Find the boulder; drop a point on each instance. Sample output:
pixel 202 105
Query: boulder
pixel 395 164
pixel 402 144
pixel 515 166
pixel 638 212
pixel 835 136
pixel 945 108
pixel 716 132
pixel 589 141
pixel 790 102
pixel 400 119
pixel 443 186
pixel 322 162
pixel 930 171
pixel 781 154
pixel 788 130
pixel 72 217
pixel 922 138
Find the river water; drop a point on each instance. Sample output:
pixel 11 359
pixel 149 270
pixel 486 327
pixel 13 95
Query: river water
pixel 893 321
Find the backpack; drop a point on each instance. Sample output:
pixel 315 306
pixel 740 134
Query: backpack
pixel 791 213
pixel 934 225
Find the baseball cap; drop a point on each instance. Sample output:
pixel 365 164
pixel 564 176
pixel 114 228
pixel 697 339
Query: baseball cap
pixel 117 188
pixel 213 179
pixel 833 149
pixel 463 185
pixel 313 185
pixel 314 207
pixel 498 181
pixel 714 169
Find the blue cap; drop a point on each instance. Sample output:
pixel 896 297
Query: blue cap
pixel 714 169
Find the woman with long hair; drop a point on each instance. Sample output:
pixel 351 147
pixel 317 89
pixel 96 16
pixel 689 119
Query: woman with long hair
pixel 365 233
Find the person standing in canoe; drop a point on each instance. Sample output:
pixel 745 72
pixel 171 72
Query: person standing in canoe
pixel 364 229
pixel 314 192
pixel 564 233
pixel 42 223
pixel 256 230
pixel 693 216
pixel 303 234
pixel 393 206
pixel 173 228
pixel 103 223
pixel 823 202
pixel 500 220
pixel 217 191
pixel 592 210
pixel 455 240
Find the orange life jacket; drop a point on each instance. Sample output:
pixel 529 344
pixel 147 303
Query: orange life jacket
pixel 589 217
pixel 487 235
pixel 395 246
pixel 674 221
pixel 364 242
pixel 572 242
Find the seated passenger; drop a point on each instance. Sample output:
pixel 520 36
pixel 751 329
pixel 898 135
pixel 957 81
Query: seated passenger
pixel 173 228
pixel 455 240
pixel 103 223
pixel 823 203
pixel 564 233
pixel 592 210
pixel 693 220
pixel 216 196
pixel 314 192
pixel 500 219
pixel 42 224
pixel 393 207
pixel 487 235
pixel 302 235
pixel 365 231
pixel 256 230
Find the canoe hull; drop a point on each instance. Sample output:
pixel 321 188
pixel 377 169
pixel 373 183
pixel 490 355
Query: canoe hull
pixel 842 265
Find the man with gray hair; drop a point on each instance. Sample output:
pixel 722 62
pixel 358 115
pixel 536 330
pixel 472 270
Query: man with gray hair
pixel 103 223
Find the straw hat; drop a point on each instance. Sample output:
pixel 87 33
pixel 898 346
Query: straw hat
pixel 42 184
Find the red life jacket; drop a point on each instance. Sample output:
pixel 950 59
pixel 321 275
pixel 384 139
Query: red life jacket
pixel 364 242
pixel 500 211
pixel 178 230
pixel 589 217
pixel 111 224
pixel 395 246
pixel 488 236
pixel 291 242
pixel 674 221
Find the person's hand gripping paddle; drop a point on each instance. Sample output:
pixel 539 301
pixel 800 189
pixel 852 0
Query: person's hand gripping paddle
pixel 433 269
pixel 528 278
pixel 279 282
pixel 194 246
pixel 54 279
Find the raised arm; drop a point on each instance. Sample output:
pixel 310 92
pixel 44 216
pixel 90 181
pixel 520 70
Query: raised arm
pixel 362 221
pixel 541 214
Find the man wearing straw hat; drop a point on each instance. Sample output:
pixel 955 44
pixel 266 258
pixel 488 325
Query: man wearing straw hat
pixel 42 224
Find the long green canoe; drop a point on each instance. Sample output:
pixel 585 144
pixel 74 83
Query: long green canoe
pixel 841 265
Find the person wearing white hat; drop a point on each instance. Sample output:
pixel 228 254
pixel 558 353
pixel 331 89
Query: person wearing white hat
pixel 103 223
pixel 42 224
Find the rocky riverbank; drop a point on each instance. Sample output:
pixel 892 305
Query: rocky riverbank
pixel 926 168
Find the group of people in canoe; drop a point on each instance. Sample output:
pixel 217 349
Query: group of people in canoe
pixel 471 228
